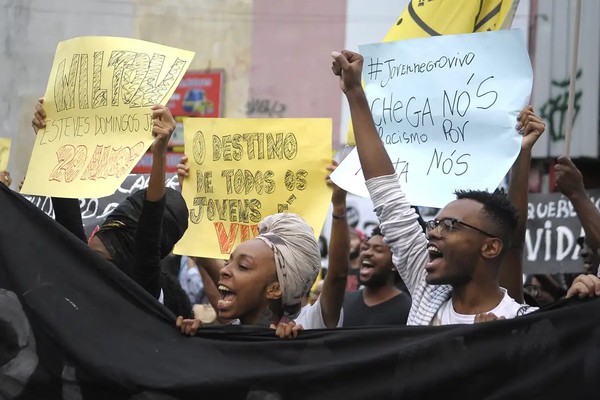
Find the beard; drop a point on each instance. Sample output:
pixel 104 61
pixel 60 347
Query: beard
pixel 377 279
pixel 454 279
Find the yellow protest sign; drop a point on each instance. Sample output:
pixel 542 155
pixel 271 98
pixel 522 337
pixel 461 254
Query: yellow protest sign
pixel 242 170
pixel 434 18
pixel 4 153
pixel 99 122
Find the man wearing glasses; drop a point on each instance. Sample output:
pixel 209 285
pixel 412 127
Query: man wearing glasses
pixel 453 270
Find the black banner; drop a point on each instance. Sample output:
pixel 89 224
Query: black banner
pixel 552 231
pixel 72 326
pixel 94 211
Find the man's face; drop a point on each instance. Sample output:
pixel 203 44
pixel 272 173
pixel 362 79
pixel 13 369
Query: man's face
pixel 454 254
pixel 590 258
pixel 541 295
pixel 376 265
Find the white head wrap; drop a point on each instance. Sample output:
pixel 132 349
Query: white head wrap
pixel 297 256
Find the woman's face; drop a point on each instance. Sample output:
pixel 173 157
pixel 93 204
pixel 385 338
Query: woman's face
pixel 248 281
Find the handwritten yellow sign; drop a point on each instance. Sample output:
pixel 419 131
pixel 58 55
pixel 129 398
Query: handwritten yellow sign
pixel 4 153
pixel 242 170
pixel 99 122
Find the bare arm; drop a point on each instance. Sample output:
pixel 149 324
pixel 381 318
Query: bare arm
pixel 148 232
pixel 334 284
pixel 570 182
pixel 212 266
pixel 164 125
pixel 511 270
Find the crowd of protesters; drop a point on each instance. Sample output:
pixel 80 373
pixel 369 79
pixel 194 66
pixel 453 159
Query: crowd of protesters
pixel 463 267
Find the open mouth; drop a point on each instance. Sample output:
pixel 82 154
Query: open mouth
pixel 227 297
pixel 434 254
pixel 589 266
pixel 366 266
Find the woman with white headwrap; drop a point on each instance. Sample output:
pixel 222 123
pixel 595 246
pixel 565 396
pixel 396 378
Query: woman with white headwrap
pixel 265 278
pixel 297 257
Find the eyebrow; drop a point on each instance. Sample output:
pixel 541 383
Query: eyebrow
pixel 248 256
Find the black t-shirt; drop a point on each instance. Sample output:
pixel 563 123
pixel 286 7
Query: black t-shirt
pixel 392 312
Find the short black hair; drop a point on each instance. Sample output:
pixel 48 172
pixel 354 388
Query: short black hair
pixel 376 232
pixel 498 208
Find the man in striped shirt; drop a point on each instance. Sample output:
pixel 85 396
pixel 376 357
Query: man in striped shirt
pixel 453 271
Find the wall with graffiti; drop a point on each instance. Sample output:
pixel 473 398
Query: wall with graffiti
pixel 553 49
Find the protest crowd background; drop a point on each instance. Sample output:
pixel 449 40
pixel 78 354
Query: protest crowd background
pixel 258 199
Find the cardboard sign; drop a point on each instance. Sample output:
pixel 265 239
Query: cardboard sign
pixel 445 108
pixel 242 170
pixel 99 121
pixel 552 231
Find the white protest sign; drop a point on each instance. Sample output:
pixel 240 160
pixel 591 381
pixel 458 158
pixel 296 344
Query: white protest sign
pixel 446 109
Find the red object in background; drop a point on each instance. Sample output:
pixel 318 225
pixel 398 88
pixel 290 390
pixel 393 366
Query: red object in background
pixel 199 94
pixel 144 166
pixel 552 177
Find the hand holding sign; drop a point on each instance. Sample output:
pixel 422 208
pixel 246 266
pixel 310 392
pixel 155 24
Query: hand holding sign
pixel 163 126
pixel 569 180
pixel 183 170
pixel 531 126
pixel 39 116
pixel 338 195
pixel 5 178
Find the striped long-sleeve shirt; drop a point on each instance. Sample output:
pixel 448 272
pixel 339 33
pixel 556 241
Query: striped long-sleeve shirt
pixel 402 232
pixel 404 235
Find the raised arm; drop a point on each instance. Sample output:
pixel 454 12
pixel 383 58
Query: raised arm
pixel 373 157
pixel 148 232
pixel 511 270
pixel 163 128
pixel 334 284
pixel 570 183
pixel 398 220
